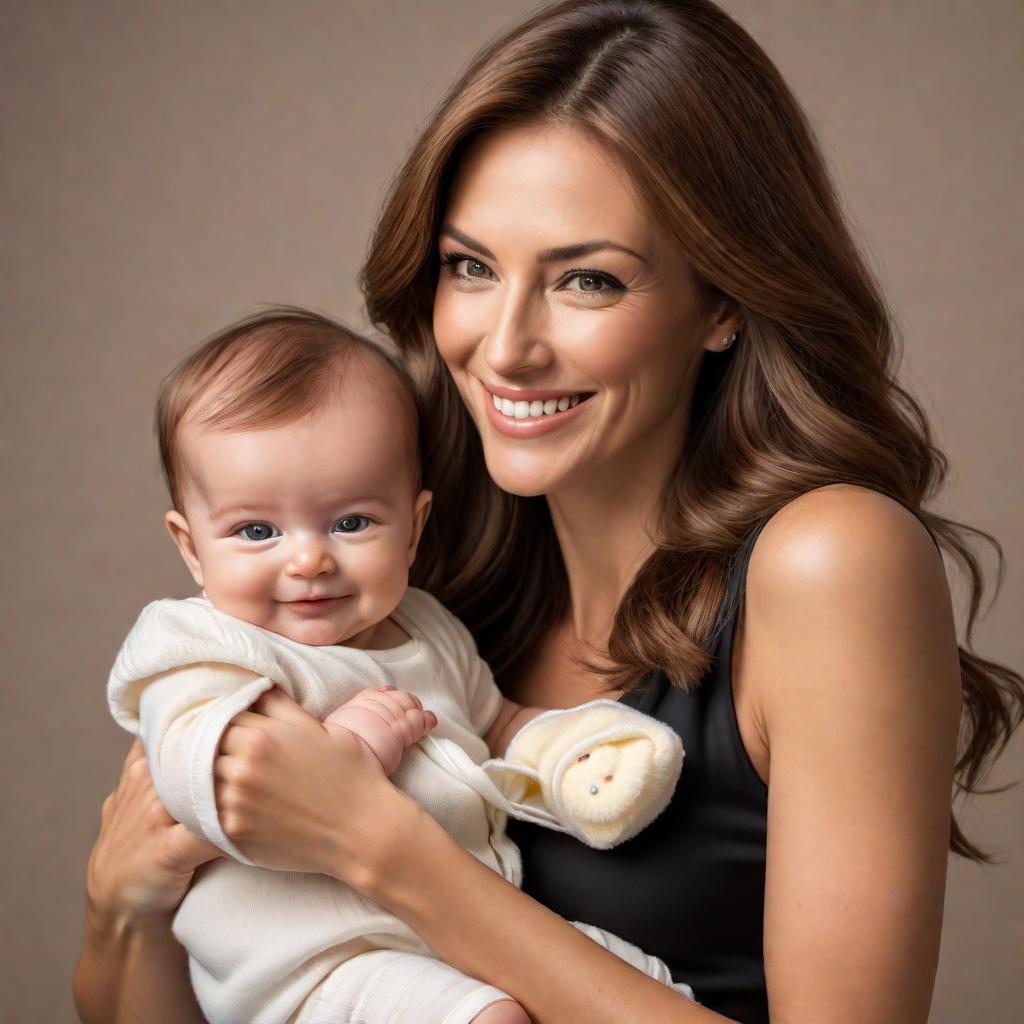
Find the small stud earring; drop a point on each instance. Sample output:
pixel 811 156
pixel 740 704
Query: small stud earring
pixel 728 341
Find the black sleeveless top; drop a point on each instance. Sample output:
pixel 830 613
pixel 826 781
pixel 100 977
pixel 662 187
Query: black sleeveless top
pixel 690 887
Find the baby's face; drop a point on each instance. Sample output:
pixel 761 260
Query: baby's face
pixel 306 528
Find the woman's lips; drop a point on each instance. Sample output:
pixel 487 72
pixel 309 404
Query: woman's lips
pixel 531 426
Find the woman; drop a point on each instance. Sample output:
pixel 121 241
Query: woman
pixel 671 463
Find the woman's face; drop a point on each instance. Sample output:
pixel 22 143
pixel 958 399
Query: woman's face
pixel 568 320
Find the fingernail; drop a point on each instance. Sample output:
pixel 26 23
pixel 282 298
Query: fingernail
pixel 433 719
pixel 387 686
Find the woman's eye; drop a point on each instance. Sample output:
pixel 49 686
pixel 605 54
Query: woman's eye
pixel 464 266
pixel 590 283
pixel 258 531
pixel 352 524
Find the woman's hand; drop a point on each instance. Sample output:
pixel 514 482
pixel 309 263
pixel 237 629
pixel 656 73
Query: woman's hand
pixel 294 795
pixel 131 968
pixel 143 860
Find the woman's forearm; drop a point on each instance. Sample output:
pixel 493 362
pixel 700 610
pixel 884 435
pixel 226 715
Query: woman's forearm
pixel 133 972
pixel 482 925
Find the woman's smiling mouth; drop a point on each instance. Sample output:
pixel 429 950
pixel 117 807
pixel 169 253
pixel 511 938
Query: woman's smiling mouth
pixel 525 412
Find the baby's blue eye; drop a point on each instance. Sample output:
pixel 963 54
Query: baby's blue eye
pixel 352 524
pixel 258 531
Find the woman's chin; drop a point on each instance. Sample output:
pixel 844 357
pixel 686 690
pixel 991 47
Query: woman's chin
pixel 525 478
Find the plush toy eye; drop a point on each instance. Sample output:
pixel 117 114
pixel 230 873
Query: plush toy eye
pixel 583 757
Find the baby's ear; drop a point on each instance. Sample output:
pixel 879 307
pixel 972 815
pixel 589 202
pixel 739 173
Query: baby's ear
pixel 181 534
pixel 420 512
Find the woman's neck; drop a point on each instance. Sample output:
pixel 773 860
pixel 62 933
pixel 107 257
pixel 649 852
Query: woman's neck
pixel 605 527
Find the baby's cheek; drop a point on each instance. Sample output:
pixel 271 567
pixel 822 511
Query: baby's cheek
pixel 384 577
pixel 240 587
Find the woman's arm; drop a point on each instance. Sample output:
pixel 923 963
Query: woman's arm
pixel 849 644
pixel 131 969
pixel 276 766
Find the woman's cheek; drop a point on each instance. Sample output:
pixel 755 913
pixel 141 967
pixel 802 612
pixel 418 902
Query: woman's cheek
pixel 458 322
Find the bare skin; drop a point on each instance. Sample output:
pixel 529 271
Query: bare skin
pixel 845 671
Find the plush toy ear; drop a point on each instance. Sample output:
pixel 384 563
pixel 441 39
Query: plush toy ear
pixel 181 534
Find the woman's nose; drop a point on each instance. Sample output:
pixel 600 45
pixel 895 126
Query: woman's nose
pixel 310 557
pixel 515 340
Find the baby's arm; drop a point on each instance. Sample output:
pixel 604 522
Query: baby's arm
pixel 601 770
pixel 511 718
pixel 387 720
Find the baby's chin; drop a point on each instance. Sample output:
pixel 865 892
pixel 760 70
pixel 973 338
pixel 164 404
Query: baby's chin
pixel 318 633
pixel 314 632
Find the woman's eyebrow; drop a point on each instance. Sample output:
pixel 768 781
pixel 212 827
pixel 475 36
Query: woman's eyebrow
pixel 453 233
pixel 563 252
pixel 572 252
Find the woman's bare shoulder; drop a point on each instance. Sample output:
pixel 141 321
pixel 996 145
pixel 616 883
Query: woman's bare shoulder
pixel 831 534
pixel 841 572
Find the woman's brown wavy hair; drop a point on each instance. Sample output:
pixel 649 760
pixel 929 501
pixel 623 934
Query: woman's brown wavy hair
pixel 716 144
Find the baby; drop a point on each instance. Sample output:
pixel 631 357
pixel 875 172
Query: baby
pixel 290 448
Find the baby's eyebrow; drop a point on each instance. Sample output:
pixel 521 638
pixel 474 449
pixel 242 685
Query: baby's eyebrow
pixel 239 510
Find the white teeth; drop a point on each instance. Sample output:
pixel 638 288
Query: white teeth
pixel 523 410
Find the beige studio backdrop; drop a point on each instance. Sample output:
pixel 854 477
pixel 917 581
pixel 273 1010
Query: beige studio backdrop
pixel 168 165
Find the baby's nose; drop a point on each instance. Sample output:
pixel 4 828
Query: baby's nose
pixel 312 559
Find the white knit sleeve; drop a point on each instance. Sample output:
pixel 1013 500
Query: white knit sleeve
pixel 176 683
pixel 182 716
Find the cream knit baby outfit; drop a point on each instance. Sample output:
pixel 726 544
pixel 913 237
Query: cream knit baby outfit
pixel 269 947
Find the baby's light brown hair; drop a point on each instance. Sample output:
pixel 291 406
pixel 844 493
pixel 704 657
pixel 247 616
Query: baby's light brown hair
pixel 266 370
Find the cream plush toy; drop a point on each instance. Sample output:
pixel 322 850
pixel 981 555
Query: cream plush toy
pixel 600 771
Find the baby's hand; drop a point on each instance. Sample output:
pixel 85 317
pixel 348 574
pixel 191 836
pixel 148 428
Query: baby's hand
pixel 386 720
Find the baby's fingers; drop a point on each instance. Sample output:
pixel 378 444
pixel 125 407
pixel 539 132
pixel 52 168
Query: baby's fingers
pixel 396 702
pixel 415 724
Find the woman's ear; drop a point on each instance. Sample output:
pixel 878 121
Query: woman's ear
pixel 724 326
pixel 420 512
pixel 181 534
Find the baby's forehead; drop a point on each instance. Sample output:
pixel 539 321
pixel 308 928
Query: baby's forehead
pixel 358 432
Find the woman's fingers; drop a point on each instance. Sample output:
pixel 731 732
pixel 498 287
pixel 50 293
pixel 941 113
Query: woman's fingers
pixel 275 703
pixel 142 860
pixel 135 755
pixel 185 851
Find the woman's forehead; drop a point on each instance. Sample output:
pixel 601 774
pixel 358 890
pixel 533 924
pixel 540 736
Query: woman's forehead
pixel 549 183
